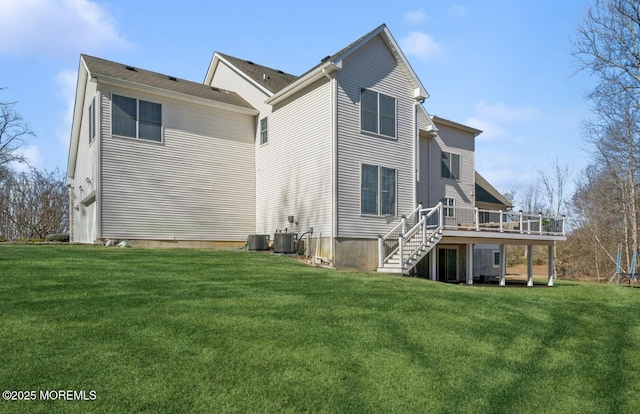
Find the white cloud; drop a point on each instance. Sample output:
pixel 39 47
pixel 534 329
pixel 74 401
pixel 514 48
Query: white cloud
pixel 422 46
pixel 33 156
pixel 415 16
pixel 57 27
pixel 66 81
pixel 497 120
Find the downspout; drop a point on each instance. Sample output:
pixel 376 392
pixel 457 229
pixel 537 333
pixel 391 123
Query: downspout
pixel 416 152
pixel 99 166
pixel 334 163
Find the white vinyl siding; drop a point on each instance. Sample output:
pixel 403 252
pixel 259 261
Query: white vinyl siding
pixel 432 186
pixel 293 172
pixel 199 185
pixel 372 67
pixel 86 173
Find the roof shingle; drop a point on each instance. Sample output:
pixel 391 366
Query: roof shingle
pixel 101 67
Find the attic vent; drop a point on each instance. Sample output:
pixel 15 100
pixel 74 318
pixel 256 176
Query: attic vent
pixel 249 62
pixel 325 58
pixel 279 71
pixel 173 78
pixel 213 88
pixel 265 77
pixel 131 68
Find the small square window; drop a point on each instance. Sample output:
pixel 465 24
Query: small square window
pixel 448 207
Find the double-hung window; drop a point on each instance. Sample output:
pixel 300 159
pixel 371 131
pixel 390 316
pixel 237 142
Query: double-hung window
pixel 264 128
pixel 450 165
pixel 448 207
pixel 136 118
pixel 377 113
pixel 92 120
pixel 378 190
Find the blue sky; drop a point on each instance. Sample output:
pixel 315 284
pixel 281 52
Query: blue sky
pixel 496 65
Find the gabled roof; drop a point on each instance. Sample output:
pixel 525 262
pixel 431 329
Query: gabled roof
pixel 271 79
pixel 457 125
pixel 486 193
pixel 105 69
pixel 334 62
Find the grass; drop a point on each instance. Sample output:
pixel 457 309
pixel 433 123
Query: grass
pixel 185 331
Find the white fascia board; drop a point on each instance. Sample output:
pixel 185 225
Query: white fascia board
pixel 303 82
pixel 81 86
pixel 106 80
pixel 214 64
pixel 420 92
pixel 432 126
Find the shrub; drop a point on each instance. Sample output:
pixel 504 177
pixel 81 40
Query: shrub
pixel 64 238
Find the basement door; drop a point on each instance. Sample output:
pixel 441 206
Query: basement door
pixel 448 264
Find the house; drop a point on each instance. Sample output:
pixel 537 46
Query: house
pixel 345 152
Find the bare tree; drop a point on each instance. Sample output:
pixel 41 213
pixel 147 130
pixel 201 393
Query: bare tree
pixel 607 46
pixel 554 184
pixel 33 205
pixel 13 133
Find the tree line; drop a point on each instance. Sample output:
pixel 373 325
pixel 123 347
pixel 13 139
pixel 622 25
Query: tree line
pixel 33 203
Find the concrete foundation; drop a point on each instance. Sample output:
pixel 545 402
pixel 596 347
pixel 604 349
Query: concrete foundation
pixel 356 253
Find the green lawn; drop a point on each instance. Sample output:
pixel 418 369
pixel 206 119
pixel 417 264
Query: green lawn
pixel 202 331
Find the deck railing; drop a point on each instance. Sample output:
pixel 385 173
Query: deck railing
pixel 477 219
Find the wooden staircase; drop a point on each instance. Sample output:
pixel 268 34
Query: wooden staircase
pixel 401 250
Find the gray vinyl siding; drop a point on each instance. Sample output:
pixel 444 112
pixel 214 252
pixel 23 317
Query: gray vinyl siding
pixel 197 184
pixel 86 173
pixel 293 169
pixel 372 67
pixel 457 142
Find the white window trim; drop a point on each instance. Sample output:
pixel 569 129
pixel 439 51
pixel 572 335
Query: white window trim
pixel 92 121
pixel 449 207
pixel 493 258
pixel 379 192
pixel 266 130
pixel 137 137
pixel 379 134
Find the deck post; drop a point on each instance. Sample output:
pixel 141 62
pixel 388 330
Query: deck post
pixel 529 265
pixel 540 223
pixel 470 264
pixel 404 224
pixel 501 223
pixel 550 266
pixel 401 250
pixel 432 261
pixel 380 251
pixel 521 228
pixel 563 221
pixel 477 219
pixel 503 264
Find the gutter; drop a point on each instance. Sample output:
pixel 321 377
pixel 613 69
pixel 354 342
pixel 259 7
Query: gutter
pixel 107 80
